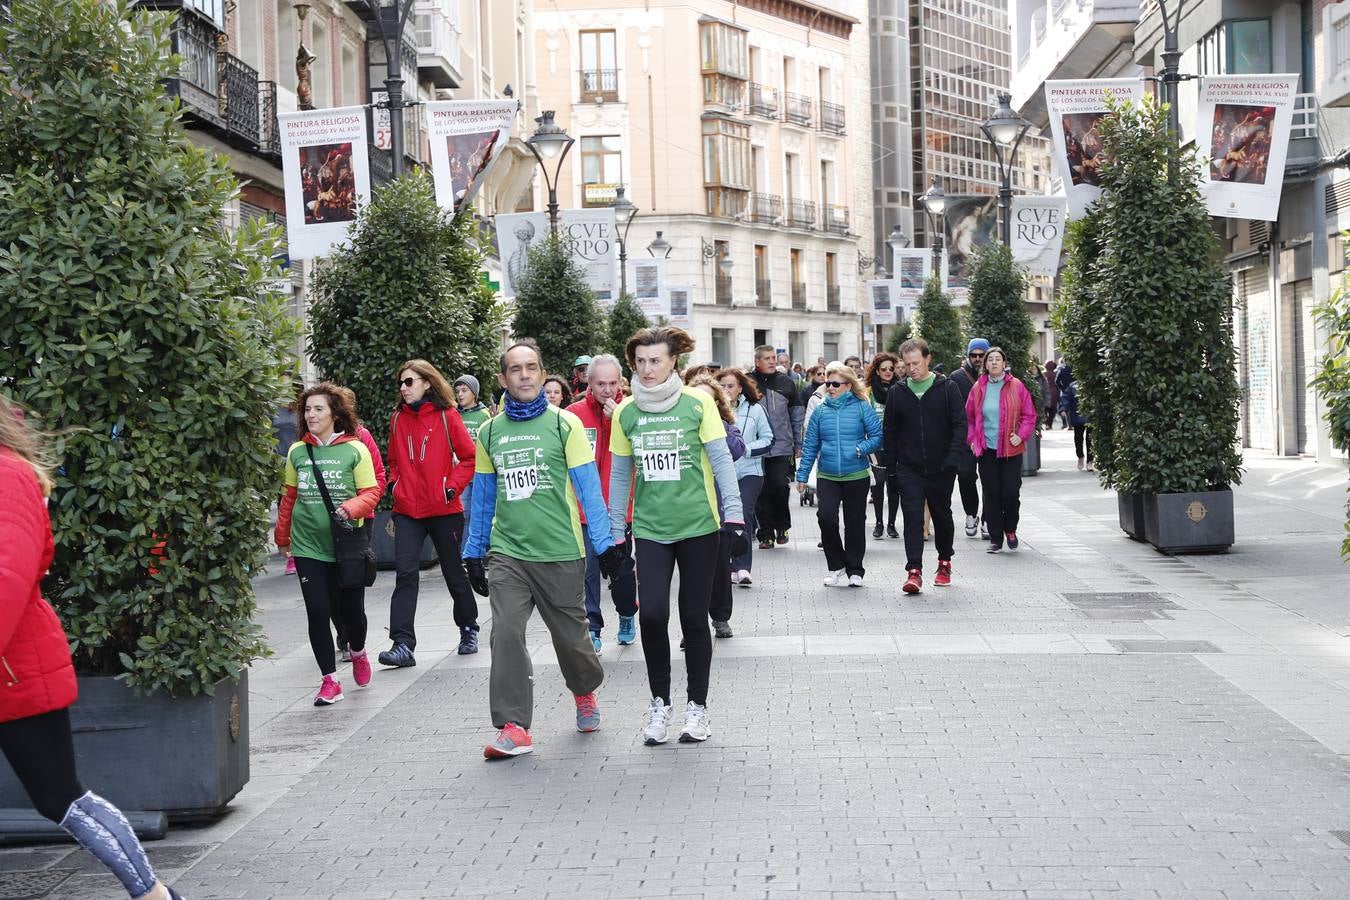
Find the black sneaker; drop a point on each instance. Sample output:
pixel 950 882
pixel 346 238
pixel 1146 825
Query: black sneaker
pixel 399 656
pixel 766 545
pixel 782 538
pixel 891 532
pixel 877 531
pixel 722 629
pixel 468 640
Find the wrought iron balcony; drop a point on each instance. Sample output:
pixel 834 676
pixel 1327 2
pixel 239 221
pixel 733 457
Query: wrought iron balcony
pixel 218 90
pixel 797 108
pixel 836 219
pixel 763 101
pixel 799 295
pixel 723 295
pixel 831 117
pixel 599 84
pixel 269 142
pixel 766 209
pixel 763 293
pixel 801 214
pixel 832 298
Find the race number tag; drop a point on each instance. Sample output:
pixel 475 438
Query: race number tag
pixel 520 474
pixel 592 435
pixel 661 456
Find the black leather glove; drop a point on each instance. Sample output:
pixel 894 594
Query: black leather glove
pixel 737 542
pixel 612 559
pixel 450 495
pixel 952 462
pixel 477 575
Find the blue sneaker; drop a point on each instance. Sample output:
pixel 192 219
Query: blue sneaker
pixel 595 640
pixel 398 656
pixel 627 629
pixel 468 640
pixel 588 714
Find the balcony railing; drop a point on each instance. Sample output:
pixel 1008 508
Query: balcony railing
pixel 269 138
pixel 198 81
pixel 766 209
pixel 799 295
pixel 1340 45
pixel 238 102
pixel 831 117
pixel 438 51
pixel 723 294
pixel 219 91
pixel 836 219
pixel 832 298
pixel 796 108
pixel 763 101
pixel 801 214
pixel 763 293
pixel 602 84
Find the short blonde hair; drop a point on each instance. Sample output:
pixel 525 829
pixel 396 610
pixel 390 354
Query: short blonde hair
pixel 847 374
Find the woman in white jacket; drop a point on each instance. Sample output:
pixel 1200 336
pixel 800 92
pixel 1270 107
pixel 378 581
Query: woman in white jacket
pixel 744 397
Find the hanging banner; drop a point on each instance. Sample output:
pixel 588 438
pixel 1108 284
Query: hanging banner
pixel 881 297
pixel 681 305
pixel 912 268
pixel 647 281
pixel 969 222
pixel 590 235
pixel 1037 233
pixel 466 137
pixel 1075 108
pixel 327 176
pixel 1249 119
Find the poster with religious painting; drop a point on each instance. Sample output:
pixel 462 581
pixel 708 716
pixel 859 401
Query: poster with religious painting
pixel 327 176
pixel 1248 121
pixel 1075 108
pixel 466 138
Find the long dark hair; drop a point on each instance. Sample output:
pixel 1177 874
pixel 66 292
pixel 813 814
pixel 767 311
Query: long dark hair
pixel 344 414
pixel 440 393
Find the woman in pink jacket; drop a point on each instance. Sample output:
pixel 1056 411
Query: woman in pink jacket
pixel 1002 417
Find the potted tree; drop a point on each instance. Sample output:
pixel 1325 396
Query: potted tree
pixel 138 330
pixel 407 287
pixel 1166 336
pixel 1333 377
pixel 998 313
pixel 937 322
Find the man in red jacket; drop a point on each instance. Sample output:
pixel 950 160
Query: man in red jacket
pixel 430 460
pixel 595 410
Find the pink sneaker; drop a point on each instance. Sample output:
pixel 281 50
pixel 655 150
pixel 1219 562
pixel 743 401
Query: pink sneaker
pixel 361 668
pixel 290 565
pixel 329 693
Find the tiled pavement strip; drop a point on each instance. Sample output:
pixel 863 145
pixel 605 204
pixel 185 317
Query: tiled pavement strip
pixel 986 740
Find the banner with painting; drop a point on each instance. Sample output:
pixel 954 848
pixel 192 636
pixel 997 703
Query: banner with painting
pixel 466 138
pixel 1075 108
pixel 1248 120
pixel 647 282
pixel 881 300
pixel 969 222
pixel 913 266
pixel 589 234
pixel 326 171
pixel 1037 233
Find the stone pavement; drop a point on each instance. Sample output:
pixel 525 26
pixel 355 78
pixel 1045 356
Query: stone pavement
pixel 1082 718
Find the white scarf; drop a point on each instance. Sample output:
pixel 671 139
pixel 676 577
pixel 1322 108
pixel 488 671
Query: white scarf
pixel 657 399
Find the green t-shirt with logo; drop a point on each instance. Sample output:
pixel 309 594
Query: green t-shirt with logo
pixel 474 419
pixel 346 468
pixel 536 517
pixel 921 387
pixel 675 496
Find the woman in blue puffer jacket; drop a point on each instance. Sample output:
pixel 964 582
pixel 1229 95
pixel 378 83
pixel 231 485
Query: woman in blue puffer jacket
pixel 841 434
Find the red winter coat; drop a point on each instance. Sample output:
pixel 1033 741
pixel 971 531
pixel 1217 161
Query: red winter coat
pixel 429 450
pixel 36 675
pixel 593 419
pixel 381 478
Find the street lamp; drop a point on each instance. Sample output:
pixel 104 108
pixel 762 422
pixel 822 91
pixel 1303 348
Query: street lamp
pixel 392 42
pixel 897 240
pixel 550 142
pixel 660 247
pixel 1005 130
pixel 935 202
pixel 625 211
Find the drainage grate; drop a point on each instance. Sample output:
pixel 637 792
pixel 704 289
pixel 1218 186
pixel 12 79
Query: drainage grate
pixel 1165 646
pixel 1342 836
pixel 1123 614
pixel 1119 600
pixel 31 885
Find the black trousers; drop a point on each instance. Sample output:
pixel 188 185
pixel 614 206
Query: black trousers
pixel 325 602
pixel 918 488
pixel 719 606
pixel 846 554
pixel 1001 479
pixel 968 479
pixel 409 536
pixel 41 752
pixel 1082 442
pixel 881 479
pixel 656 564
pixel 772 512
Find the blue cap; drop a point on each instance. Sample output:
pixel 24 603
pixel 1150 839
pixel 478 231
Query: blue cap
pixel 977 344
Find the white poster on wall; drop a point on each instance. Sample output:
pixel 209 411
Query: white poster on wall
pixel 881 300
pixel 647 284
pixel 913 266
pixel 466 138
pixel 1037 233
pixel 1248 119
pixel 681 298
pixel 326 171
pixel 590 236
pixel 1075 108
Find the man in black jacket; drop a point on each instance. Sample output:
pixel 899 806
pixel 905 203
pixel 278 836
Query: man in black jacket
pixel 967 477
pixel 924 428
pixel 784 409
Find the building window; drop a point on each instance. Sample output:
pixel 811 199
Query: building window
pixel 722 339
pixel 761 337
pixel 601 169
pixel 1236 47
pixel 831 345
pixel 723 49
pixel 726 165
pixel 599 66
pixel 797 346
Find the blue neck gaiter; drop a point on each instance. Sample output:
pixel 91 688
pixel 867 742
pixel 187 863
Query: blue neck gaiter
pixel 521 412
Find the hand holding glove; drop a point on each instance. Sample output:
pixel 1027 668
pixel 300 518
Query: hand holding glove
pixel 477 575
pixel 737 542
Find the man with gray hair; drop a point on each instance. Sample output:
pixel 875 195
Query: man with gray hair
pixel 595 409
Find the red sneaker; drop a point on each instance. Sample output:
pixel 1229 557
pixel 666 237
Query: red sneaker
pixel 913 584
pixel 588 713
pixel 361 668
pixel 329 693
pixel 512 740
pixel 944 575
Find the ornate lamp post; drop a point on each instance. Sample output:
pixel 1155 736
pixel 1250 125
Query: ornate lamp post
pixel 550 142
pixel 1005 130
pixel 660 247
pixel 625 211
pixel 935 203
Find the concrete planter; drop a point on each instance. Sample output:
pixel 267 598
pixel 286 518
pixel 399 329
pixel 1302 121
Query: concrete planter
pixel 382 542
pixel 1130 510
pixel 1031 457
pixel 1197 522
pixel 184 756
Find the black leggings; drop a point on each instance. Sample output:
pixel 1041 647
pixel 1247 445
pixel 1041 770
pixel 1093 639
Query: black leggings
pixel 719 606
pixel 881 480
pixel 42 754
pixel 697 559
pixel 1082 442
pixel 326 602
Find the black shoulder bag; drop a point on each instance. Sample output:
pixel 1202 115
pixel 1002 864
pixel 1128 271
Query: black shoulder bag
pixel 351 545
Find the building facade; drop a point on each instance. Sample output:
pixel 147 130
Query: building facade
pixel 892 153
pixel 741 130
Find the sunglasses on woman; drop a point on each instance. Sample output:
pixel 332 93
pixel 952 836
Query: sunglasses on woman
pixel 408 382
pixel 835 384
pixel 886 369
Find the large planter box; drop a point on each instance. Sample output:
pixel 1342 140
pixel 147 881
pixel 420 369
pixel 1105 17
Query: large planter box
pixel 1199 522
pixel 1130 510
pixel 1031 457
pixel 382 542
pixel 184 756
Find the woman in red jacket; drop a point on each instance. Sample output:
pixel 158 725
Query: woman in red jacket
pixel 1001 417
pixel 37 680
pixel 430 460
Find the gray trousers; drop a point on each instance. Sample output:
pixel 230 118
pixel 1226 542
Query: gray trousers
pixel 517 587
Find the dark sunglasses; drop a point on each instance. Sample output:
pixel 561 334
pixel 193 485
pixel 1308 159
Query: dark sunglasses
pixel 408 382
pixel 977 356
pixel 886 369
pixel 835 384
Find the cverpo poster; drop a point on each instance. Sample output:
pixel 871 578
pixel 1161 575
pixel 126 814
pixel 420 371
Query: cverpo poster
pixel 1037 233
pixel 913 266
pixel 647 282
pixel 327 176
pixel 1075 108
pixel 970 222
pixel 590 236
pixel 881 298
pixel 466 138
pixel 681 305
pixel 1248 119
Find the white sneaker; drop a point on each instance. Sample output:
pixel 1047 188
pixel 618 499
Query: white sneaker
pixel 736 576
pixel 695 724
pixel 855 581
pixel 744 578
pixel 972 524
pixel 658 721
pixel 836 579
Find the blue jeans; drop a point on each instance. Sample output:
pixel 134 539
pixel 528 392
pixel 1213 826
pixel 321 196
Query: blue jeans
pixel 622 589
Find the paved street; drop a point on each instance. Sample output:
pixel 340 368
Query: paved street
pixel 1082 718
